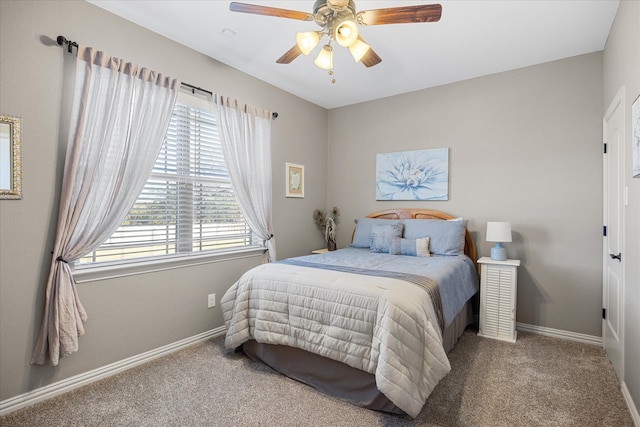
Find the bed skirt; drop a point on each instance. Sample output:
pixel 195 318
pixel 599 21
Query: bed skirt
pixel 336 378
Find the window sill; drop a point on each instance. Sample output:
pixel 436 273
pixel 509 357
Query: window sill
pixel 96 273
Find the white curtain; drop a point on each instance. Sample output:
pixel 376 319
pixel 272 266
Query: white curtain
pixel 119 119
pixel 245 133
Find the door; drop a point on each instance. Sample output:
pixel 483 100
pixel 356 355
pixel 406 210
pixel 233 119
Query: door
pixel 613 258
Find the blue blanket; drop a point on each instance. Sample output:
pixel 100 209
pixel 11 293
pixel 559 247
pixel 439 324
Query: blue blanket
pixel 456 276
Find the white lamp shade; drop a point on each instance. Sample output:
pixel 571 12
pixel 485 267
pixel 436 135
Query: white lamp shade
pixel 307 41
pixel 498 232
pixel 358 49
pixel 324 59
pixel 346 33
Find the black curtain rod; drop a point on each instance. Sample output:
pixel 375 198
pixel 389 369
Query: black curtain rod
pixel 194 88
pixel 71 44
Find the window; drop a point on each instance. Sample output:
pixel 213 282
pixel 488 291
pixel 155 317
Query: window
pixel 187 206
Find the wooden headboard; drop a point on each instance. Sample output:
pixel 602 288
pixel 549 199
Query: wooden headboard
pixel 416 213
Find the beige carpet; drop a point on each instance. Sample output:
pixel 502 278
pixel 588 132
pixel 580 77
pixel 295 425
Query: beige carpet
pixel 538 381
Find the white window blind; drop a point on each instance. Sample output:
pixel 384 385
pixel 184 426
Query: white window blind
pixel 187 206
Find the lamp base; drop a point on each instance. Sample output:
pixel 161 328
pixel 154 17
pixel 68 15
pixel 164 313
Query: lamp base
pixel 498 253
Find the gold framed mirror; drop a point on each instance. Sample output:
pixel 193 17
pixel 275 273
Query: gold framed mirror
pixel 10 158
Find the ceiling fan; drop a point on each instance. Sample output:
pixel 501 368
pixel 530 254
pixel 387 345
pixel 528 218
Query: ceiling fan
pixel 339 21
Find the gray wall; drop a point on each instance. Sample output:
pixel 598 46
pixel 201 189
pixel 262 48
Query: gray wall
pixel 622 68
pixel 525 147
pixel 130 315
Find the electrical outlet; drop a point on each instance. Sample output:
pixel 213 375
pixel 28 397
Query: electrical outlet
pixel 211 300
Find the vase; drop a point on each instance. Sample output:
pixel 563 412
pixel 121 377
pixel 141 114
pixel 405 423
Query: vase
pixel 331 245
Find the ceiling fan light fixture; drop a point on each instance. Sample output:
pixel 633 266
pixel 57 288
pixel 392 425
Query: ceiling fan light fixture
pixel 307 41
pixel 358 49
pixel 337 4
pixel 339 21
pixel 346 33
pixel 324 59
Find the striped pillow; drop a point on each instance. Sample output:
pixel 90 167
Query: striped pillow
pixel 411 247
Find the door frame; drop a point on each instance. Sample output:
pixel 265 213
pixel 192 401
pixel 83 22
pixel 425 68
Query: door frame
pixel 618 101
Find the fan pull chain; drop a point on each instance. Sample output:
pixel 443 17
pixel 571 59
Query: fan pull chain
pixel 333 79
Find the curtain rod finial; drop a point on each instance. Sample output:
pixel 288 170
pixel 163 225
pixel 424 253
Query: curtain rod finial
pixel 62 40
pixel 274 115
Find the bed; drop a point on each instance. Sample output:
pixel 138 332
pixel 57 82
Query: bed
pixel 371 323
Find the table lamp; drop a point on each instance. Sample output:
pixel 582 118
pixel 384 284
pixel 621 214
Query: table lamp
pixel 498 232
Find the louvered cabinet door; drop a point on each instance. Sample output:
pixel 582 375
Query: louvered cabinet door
pixel 498 292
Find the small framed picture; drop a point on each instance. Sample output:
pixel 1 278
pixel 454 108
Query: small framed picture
pixel 295 180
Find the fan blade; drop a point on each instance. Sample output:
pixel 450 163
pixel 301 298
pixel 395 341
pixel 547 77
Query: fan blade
pixel 370 59
pixel 270 11
pixel 400 15
pixel 289 55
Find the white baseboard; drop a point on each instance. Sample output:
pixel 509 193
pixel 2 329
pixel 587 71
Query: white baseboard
pixel 558 333
pixel 632 407
pixel 59 387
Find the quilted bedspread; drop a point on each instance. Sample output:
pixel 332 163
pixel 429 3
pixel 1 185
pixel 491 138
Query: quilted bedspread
pixel 382 325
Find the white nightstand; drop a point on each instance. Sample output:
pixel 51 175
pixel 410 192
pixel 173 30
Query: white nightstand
pixel 498 292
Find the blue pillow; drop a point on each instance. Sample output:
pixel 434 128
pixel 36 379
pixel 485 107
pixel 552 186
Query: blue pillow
pixel 362 235
pixel 465 223
pixel 411 247
pixel 382 234
pixel 446 237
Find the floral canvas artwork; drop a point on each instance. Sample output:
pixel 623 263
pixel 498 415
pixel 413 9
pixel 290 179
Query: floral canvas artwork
pixel 413 175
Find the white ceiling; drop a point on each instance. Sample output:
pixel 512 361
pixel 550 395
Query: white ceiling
pixel 472 39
